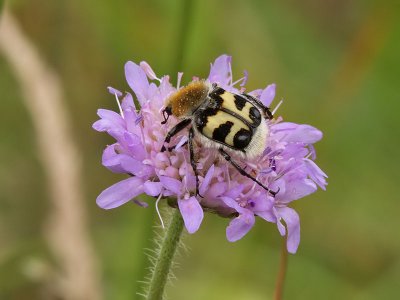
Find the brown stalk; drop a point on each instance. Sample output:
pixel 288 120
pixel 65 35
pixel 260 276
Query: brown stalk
pixel 66 230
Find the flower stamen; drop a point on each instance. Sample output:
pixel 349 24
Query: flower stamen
pixel 178 84
pixel 158 211
pixel 119 105
pixel 230 72
pixel 276 107
pixel 149 71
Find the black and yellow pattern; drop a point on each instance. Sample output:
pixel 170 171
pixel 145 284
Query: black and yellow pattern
pixel 229 119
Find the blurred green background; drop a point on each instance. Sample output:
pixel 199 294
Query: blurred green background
pixel 336 65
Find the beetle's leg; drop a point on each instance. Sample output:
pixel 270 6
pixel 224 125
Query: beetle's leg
pixel 178 127
pixel 243 172
pixel 192 160
pixel 173 147
pixel 259 104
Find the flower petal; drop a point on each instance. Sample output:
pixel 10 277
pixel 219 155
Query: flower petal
pixel 141 203
pixel 220 71
pixel 192 213
pixel 112 116
pixel 296 189
pixel 297 133
pixel 127 102
pixel 239 226
pixel 256 93
pixel 305 134
pixel 235 191
pixel 231 203
pixel 316 173
pixel 292 221
pixel 260 203
pixel 120 193
pixel 172 184
pixel 148 70
pixel 268 95
pixel 137 80
pixel 181 142
pixel 130 117
pixel 113 91
pixel 165 87
pixel 216 189
pixel 111 161
pixel 245 78
pixel 206 181
pixel 268 216
pixel 152 188
pixel 123 163
pixel 110 120
pixel 134 166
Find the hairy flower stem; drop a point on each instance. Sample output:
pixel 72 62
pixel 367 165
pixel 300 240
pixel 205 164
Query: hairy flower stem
pixel 280 280
pixel 165 256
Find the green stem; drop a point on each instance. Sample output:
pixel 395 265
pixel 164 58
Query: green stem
pixel 166 254
pixel 144 243
pixel 185 24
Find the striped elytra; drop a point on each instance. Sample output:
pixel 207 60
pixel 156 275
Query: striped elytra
pixel 228 119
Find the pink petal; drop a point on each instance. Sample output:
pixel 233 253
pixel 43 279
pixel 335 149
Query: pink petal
pixel 152 188
pixel 220 71
pixel 293 133
pixel 181 142
pixel 235 191
pixel 172 184
pixel 296 189
pixel 233 204
pixel 292 221
pixel 123 163
pixel 267 215
pixel 192 213
pixel 256 93
pixel 113 91
pixel 111 161
pixel 165 89
pixel 216 189
pixel 137 80
pixel 261 203
pixel 206 180
pixel 148 70
pixel 316 173
pixel 111 115
pixel 127 102
pixel 281 227
pixel 140 203
pixel 305 134
pixel 110 120
pixel 134 166
pixel 239 226
pixel 120 193
pixel 245 78
pixel 268 94
pixel 130 117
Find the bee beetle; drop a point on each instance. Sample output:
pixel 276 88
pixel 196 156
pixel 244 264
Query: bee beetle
pixel 219 119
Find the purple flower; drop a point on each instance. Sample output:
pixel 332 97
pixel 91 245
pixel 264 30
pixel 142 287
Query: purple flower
pixel 286 165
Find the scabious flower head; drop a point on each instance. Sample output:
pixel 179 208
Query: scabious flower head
pixel 286 164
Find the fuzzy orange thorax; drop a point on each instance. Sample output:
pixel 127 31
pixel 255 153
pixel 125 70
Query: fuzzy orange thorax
pixel 188 98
